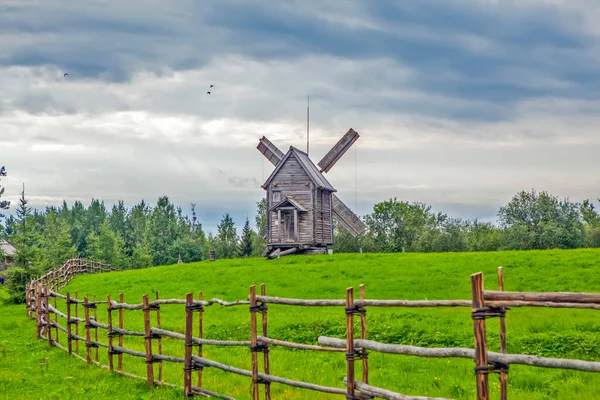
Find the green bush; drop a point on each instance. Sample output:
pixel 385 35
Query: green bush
pixel 16 282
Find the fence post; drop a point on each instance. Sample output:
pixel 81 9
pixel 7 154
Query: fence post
pixel 503 372
pixel 88 343
pixel 363 336
pixel 481 358
pixel 187 368
pixel 160 364
pixel 48 322
pixel 30 298
pixel 56 321
pixel 253 343
pixel 200 336
pixel 69 338
pixel 350 343
pixel 111 365
pixel 120 356
pixel 38 310
pixel 27 299
pixel 77 320
pixel 31 291
pixel 148 337
pixel 96 327
pixel 265 347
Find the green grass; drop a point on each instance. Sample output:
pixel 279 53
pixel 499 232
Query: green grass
pixel 30 369
pixel 543 332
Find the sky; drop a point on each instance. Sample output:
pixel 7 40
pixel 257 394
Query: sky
pixel 459 104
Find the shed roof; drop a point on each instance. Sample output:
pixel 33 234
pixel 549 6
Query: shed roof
pixel 307 165
pixel 7 248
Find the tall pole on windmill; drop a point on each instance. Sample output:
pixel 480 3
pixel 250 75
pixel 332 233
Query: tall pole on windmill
pixel 307 123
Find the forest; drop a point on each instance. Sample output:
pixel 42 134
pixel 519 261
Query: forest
pixel 159 234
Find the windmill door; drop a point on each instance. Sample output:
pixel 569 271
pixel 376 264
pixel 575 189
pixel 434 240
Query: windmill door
pixel 289 230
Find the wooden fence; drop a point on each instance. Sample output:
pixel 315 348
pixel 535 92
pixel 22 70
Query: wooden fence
pixel 484 304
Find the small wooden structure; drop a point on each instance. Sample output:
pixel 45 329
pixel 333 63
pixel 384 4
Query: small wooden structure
pixel 7 254
pixel 301 203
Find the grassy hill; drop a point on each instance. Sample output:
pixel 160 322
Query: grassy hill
pixel 543 332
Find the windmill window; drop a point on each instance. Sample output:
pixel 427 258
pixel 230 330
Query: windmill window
pixel 277 195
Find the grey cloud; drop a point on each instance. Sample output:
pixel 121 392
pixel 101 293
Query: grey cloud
pixel 458 105
pixel 464 51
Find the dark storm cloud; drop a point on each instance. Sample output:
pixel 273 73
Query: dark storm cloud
pixel 493 54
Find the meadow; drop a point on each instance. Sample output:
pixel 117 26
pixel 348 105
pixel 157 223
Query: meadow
pixel 29 369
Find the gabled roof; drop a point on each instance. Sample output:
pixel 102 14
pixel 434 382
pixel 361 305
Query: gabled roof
pixel 307 165
pixel 7 248
pixel 291 202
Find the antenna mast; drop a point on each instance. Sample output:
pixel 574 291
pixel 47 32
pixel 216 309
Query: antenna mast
pixel 307 123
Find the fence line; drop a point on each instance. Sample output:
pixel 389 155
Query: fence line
pixel 484 304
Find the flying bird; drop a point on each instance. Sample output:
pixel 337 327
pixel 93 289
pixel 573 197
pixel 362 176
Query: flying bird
pixel 212 85
pixel 65 75
pixel 208 92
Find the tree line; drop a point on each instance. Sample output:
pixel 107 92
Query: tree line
pixel 531 220
pixel 159 234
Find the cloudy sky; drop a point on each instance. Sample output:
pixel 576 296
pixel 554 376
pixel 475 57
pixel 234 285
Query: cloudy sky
pixel 459 104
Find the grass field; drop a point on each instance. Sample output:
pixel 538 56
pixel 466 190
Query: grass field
pixel 544 332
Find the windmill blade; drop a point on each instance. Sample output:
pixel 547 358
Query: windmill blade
pixel 338 150
pixel 269 150
pixel 347 218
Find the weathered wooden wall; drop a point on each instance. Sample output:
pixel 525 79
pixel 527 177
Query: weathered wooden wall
pixel 292 181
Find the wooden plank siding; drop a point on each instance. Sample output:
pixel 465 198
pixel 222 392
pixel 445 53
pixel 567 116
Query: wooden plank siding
pixel 327 218
pixel 292 181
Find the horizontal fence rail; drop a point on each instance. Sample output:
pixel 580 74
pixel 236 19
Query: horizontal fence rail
pixel 484 304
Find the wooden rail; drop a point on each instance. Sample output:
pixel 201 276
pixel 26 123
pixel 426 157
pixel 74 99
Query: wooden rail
pixel 485 304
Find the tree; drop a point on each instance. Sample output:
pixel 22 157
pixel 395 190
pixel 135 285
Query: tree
pixel 451 237
pixel 246 241
pixel 541 221
pixel 260 237
pixel 56 244
pixel 18 278
pixel 25 238
pixel 395 225
pixel 591 220
pixel 141 257
pixel 117 220
pixel 226 240
pixel 95 216
pixel 483 236
pixel 136 223
pixel 161 232
pixel 589 214
pixel 77 222
pixel 106 246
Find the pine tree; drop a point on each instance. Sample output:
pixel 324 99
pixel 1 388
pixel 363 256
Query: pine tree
pixel 261 228
pixel 56 244
pixel 25 238
pixel 246 242
pixel 162 231
pixel 117 220
pixel 226 238
pixel 136 224
pixel 106 246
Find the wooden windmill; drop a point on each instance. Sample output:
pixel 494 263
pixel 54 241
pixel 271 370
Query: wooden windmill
pixel 301 203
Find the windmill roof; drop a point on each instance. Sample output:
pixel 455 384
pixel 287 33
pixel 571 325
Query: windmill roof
pixel 7 248
pixel 307 165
